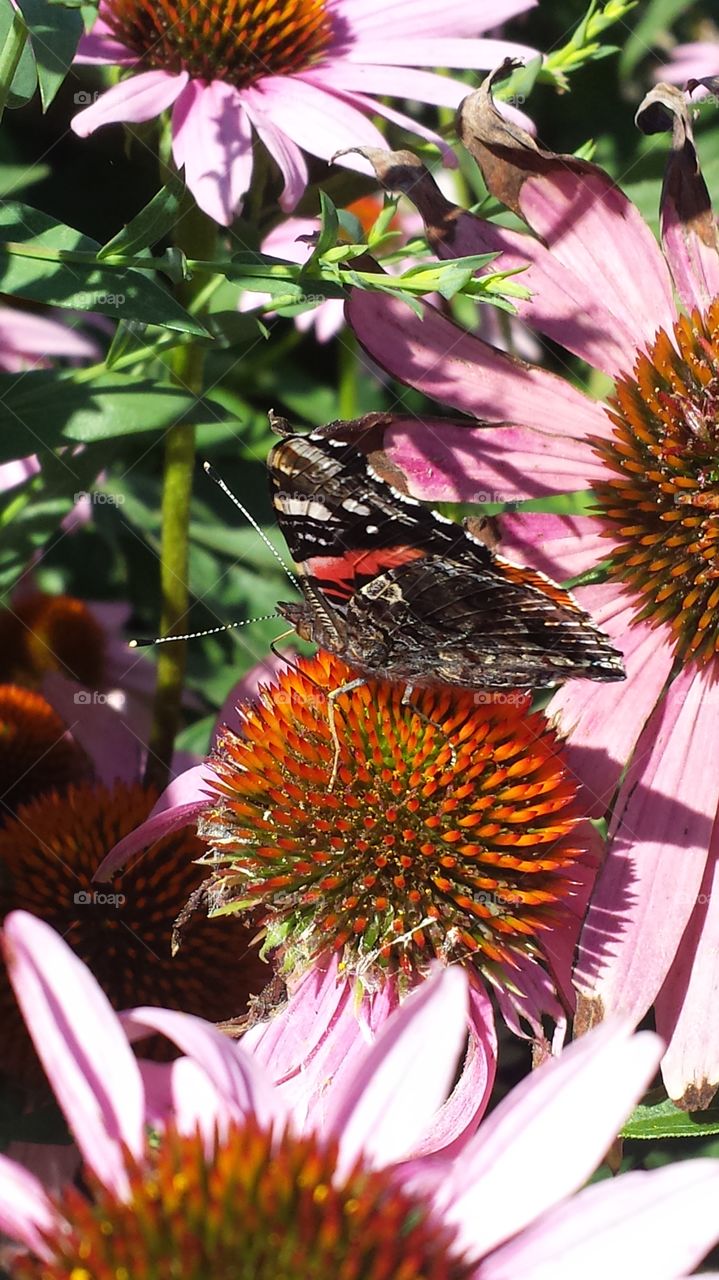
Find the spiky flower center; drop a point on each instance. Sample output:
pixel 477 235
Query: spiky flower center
pixel 663 499
pixel 450 832
pixel 43 632
pixel 260 1208
pixel 122 930
pixel 36 752
pixel 234 40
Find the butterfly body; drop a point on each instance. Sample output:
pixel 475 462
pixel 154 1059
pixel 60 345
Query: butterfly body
pixel 400 592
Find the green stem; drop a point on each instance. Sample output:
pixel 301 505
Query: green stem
pixel 10 56
pixel 348 389
pixel 195 234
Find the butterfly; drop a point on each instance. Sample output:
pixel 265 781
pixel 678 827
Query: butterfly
pixel 400 592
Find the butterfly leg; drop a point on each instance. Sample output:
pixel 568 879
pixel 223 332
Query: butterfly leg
pixel 331 699
pixel 407 702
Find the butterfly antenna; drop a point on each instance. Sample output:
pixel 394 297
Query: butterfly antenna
pixel 196 635
pixel 214 475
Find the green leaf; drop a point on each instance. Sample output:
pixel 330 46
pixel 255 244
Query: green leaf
pixel 54 34
pixel 150 224
pixel 21 71
pixel 664 1120
pixel 42 409
pixel 658 18
pixel 329 227
pixel 33 265
pixel 31 514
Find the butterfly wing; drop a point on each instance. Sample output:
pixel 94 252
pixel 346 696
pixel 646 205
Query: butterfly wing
pixel 398 590
pixel 483 627
pixel 342 523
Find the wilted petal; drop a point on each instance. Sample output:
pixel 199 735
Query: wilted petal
pixel 586 221
pixel 560 305
pixel 689 229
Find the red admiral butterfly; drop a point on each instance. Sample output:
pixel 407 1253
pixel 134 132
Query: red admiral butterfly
pixel 400 592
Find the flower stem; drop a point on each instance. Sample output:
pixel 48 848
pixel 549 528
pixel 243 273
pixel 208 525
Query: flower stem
pixel 195 234
pixel 348 370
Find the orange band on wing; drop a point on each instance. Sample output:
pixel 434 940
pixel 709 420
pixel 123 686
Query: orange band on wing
pixel 341 576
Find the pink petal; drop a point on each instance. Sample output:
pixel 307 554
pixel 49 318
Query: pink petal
pixel 458 1117
pixel 319 122
pixel 433 50
pixel 105 736
pixel 373 106
pixel 665 811
pixel 403 81
pixel 240 1081
pixel 532 1152
pixel 317 1040
pixel 404 1079
pixel 101 46
pixel 391 22
pixel 25 1211
pixel 81 1045
pixel 178 806
pixel 659 1224
pixel 15 473
pixel 602 722
pixel 450 461
pixel 212 138
pixel 561 307
pixel 690 1066
pixel 690 62
pixel 561 546
pixel 597 233
pixel 460 370
pixel 140 98
pixel 288 156
pixel 197 1105
pixel 529 1000
pixel 42 335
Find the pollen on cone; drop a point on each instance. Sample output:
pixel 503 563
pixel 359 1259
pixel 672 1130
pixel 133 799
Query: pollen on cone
pixel 451 830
